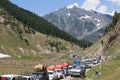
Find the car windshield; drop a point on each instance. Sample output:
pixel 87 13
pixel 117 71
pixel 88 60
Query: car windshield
pixel 24 78
pixel 69 67
pixel 37 74
pixel 77 67
pixel 50 72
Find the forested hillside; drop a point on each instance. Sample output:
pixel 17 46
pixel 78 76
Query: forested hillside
pixel 39 24
pixel 21 41
pixel 111 26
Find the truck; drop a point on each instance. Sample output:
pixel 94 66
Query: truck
pixel 59 72
pixel 52 73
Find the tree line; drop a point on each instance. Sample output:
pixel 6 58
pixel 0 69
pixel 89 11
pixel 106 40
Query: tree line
pixel 111 26
pixel 39 24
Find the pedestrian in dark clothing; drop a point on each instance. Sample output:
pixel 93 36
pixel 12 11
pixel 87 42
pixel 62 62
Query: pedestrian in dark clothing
pixel 96 73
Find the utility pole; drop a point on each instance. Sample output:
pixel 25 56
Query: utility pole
pixel 101 52
pixel 100 62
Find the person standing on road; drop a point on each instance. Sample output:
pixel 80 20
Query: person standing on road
pixel 63 72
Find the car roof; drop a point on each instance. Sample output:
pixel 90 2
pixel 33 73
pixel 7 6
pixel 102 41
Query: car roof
pixel 9 75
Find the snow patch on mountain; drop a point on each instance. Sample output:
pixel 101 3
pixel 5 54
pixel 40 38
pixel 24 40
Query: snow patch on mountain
pixel 80 23
pixel 98 20
pixel 98 27
pixel 98 24
pixel 72 5
pixel 68 14
pixel 108 13
pixel 85 17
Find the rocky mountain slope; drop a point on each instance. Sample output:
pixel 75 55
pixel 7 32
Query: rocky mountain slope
pixel 39 24
pixel 109 44
pixel 20 41
pixel 109 48
pixel 82 24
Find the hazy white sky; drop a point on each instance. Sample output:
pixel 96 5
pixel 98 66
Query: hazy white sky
pixel 42 7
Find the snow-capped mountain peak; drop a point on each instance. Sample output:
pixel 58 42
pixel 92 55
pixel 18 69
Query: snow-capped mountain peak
pixel 82 24
pixel 72 5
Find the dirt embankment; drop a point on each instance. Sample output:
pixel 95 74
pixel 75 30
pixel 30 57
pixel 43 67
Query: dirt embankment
pixel 111 38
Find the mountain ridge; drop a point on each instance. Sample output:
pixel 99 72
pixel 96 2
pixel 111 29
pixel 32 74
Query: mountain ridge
pixel 78 22
pixel 21 41
pixel 39 24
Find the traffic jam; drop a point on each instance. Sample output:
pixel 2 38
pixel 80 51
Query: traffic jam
pixel 57 72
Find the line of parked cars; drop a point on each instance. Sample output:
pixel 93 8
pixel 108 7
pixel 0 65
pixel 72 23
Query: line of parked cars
pixel 15 77
pixel 55 72
pixel 80 66
pixel 41 72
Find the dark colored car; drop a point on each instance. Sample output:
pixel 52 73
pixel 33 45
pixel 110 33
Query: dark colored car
pixel 40 75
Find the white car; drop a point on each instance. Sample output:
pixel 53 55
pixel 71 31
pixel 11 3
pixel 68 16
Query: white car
pixel 28 78
pixel 52 75
pixel 11 77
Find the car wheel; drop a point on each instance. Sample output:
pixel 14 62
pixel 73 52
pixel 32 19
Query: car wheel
pixel 71 75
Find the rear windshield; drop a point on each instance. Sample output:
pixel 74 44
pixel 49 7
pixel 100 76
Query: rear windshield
pixel 24 78
pixel 37 75
pixel 50 72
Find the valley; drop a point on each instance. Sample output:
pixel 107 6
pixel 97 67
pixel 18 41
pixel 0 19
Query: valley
pixel 63 36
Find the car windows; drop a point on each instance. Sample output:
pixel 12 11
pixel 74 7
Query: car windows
pixel 50 72
pixel 24 78
pixel 38 75
pixel 31 78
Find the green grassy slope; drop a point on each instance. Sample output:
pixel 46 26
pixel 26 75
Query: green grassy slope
pixel 110 67
pixel 18 40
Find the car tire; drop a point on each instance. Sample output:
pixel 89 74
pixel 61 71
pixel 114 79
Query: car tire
pixel 71 75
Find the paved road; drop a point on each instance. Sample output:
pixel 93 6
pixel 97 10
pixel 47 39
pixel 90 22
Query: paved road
pixel 72 78
pixel 68 78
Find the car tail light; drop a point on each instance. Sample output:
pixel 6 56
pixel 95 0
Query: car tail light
pixel 2 78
